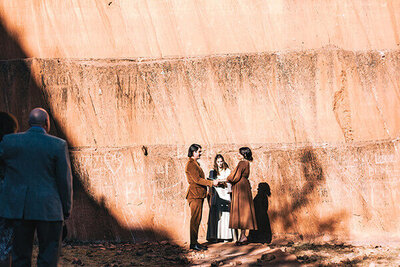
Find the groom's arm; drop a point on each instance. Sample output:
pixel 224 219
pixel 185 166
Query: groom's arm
pixel 193 176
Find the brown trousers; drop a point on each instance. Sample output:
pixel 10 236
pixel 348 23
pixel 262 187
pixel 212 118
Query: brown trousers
pixel 196 211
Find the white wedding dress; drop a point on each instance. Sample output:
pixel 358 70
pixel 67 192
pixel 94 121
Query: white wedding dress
pixel 223 230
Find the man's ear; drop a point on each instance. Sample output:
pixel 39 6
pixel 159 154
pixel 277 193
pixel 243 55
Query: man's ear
pixel 47 126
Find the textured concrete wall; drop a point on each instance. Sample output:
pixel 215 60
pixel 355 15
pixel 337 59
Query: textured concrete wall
pixel 323 125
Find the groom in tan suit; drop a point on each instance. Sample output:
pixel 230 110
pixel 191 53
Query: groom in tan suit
pixel 197 191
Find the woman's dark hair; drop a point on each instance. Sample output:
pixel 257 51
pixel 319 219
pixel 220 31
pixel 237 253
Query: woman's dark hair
pixel 246 153
pixel 8 124
pixel 193 148
pixel 224 165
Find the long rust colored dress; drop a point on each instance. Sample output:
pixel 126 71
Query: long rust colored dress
pixel 243 215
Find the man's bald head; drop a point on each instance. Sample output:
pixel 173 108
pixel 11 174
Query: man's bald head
pixel 39 117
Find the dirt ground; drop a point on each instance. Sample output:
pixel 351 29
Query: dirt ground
pixel 227 254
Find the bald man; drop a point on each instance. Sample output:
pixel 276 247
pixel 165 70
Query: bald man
pixel 37 189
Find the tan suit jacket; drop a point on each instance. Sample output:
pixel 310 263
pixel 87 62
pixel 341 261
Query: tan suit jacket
pixel 197 183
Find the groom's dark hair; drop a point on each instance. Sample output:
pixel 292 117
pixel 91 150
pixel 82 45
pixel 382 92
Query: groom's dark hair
pixel 193 148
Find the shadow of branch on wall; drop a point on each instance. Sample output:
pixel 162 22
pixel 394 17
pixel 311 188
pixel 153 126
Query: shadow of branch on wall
pixel 307 198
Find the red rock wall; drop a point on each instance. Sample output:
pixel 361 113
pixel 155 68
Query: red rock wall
pixel 323 126
pixel 119 78
pixel 152 28
pixel 326 95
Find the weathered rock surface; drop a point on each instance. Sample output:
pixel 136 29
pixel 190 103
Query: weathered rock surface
pixel 130 29
pixel 323 126
pixel 131 84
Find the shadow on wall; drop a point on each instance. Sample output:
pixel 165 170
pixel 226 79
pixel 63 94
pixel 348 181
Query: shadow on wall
pixel 290 212
pixel 90 220
pixel 9 47
pixel 264 232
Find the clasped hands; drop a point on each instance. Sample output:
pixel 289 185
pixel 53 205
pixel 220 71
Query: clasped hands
pixel 219 183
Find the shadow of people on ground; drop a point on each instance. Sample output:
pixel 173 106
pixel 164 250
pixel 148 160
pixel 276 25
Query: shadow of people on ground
pixel 264 232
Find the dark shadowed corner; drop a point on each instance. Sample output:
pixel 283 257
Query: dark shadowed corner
pixel 90 220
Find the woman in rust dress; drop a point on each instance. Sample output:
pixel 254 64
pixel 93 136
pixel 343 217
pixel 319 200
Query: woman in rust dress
pixel 243 216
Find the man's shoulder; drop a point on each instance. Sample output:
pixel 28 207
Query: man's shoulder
pixel 12 137
pixel 55 139
pixel 190 164
pixel 43 137
pixel 27 135
pixel 55 142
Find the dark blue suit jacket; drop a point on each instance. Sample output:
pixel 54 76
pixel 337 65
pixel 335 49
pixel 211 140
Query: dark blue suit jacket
pixel 37 177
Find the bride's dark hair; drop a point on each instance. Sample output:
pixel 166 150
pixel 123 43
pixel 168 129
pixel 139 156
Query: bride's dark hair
pixel 246 153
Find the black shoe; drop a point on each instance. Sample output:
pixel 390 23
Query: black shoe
pixel 195 247
pixel 203 247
